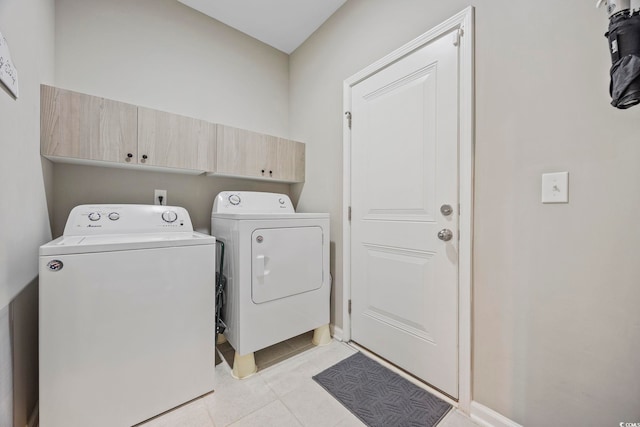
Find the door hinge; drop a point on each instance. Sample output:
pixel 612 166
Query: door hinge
pixel 348 116
pixel 456 36
pixel 349 213
pixel 349 307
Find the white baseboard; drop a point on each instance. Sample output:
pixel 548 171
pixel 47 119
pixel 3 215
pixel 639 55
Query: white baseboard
pixel 490 418
pixel 336 332
pixel 34 418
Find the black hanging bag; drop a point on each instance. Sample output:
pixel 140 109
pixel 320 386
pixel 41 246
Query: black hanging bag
pixel 624 45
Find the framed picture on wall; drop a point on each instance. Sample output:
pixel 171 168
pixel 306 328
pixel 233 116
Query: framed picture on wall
pixel 8 72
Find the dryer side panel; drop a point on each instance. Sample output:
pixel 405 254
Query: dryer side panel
pixel 226 231
pixel 285 262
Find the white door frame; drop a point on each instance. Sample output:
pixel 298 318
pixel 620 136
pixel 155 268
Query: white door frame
pixel 461 26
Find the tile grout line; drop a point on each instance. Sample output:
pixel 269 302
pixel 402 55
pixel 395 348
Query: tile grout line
pixel 253 412
pixel 292 413
pixel 260 374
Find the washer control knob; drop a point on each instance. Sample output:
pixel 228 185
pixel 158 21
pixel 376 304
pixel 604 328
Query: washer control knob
pixel 169 216
pixel 114 216
pixel 94 216
pixel 234 199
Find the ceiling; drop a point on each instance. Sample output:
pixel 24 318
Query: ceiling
pixel 283 24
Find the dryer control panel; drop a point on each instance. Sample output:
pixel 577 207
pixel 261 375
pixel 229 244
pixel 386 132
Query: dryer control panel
pixel 91 220
pixel 252 202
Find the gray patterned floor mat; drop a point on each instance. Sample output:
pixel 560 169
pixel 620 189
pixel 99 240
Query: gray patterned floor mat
pixel 380 397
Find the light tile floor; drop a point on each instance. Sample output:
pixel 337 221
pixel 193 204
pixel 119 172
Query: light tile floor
pixel 282 395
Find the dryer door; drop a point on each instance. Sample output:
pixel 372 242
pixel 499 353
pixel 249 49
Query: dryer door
pixel 285 262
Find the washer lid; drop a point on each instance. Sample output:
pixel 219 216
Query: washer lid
pixel 122 242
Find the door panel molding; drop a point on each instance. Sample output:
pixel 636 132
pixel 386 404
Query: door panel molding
pixel 417 258
pixel 461 29
pixel 384 317
pixel 417 215
pixel 426 72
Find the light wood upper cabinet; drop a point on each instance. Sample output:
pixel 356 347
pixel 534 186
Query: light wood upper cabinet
pixel 245 153
pixel 80 126
pixel 291 160
pixel 174 141
pixel 250 154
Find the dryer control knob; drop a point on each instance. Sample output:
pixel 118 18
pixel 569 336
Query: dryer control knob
pixel 234 199
pixel 281 201
pixel 94 216
pixel 169 216
pixel 114 216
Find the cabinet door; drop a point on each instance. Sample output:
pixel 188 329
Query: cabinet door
pixel 86 127
pixel 245 153
pixel 175 141
pixel 290 165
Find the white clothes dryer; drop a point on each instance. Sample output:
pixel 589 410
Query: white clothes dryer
pixel 277 268
pixel 126 316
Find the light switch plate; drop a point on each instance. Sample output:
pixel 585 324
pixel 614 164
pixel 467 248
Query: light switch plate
pixel 555 187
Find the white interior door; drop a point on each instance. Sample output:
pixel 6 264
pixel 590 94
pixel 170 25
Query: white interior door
pixel 404 168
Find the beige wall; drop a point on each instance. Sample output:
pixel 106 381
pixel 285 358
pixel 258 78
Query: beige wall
pixel 164 55
pixel 556 289
pixel 6 368
pixel 106 185
pixel 28 26
pixel 24 326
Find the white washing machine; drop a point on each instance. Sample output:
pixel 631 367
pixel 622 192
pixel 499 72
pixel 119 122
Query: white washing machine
pixel 126 316
pixel 277 268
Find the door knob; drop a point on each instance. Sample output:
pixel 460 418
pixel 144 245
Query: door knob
pixel 446 210
pixel 445 234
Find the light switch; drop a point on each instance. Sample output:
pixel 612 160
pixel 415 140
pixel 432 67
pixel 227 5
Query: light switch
pixel 555 187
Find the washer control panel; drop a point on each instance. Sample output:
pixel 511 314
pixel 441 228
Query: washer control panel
pixel 252 202
pixel 123 219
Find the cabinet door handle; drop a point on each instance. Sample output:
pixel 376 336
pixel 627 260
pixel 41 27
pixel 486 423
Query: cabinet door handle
pixel 144 158
pixel 262 171
pixel 128 158
pixel 270 173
